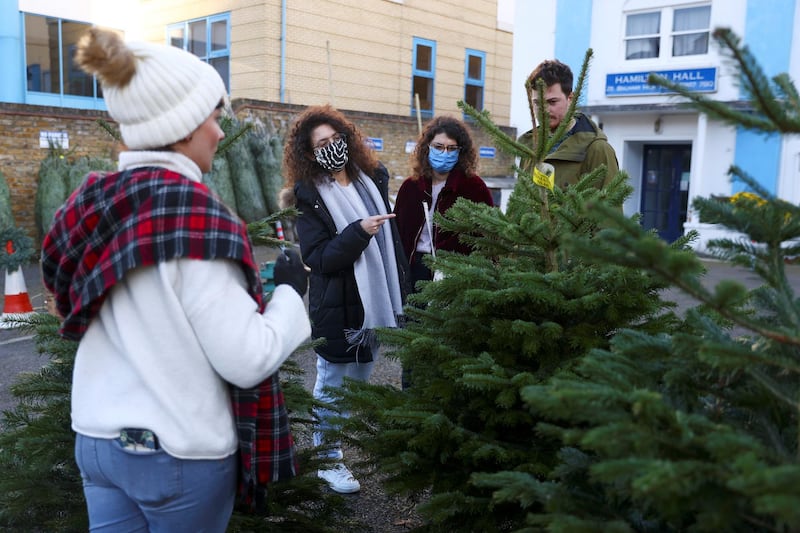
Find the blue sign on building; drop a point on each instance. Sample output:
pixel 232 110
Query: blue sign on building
pixel 486 152
pixel 701 80
pixel 376 143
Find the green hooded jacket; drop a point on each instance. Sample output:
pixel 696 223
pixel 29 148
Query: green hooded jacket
pixel 583 149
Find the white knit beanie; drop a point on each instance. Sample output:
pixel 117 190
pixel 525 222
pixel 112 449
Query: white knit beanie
pixel 170 93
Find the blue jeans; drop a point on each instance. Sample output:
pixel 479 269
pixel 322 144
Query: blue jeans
pixel 129 491
pixel 331 375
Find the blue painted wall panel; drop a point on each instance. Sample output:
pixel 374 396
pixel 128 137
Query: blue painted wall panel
pixel 12 87
pixel 768 34
pixel 573 33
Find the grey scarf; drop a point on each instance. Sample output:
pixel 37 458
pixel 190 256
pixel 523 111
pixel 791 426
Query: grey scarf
pixel 376 270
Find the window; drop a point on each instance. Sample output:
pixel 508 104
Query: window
pixel 642 35
pixel 690 31
pixel 208 38
pixel 50 45
pixel 474 78
pixel 689 35
pixel 422 75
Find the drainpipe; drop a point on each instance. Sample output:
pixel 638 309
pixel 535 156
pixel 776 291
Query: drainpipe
pixel 283 52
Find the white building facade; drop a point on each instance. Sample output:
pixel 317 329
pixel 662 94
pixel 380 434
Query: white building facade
pixel 672 154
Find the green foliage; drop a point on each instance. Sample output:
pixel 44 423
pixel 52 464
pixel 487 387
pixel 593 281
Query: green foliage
pixel 59 175
pixel 694 429
pixel 246 185
pixel 267 150
pixel 6 216
pixel 20 252
pixel 219 180
pixel 522 307
pixel 552 389
pixel 246 169
pixel 40 486
pixel 51 191
pixel 772 104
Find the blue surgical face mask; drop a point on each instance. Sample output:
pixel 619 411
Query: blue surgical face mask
pixel 441 161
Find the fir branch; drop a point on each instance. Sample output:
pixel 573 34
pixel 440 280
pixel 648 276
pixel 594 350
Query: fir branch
pixel 756 83
pixel 774 389
pixel 500 139
pixel 770 116
pixel 231 136
pixel 16 248
pixel 108 128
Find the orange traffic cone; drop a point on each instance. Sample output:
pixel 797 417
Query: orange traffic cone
pixel 17 304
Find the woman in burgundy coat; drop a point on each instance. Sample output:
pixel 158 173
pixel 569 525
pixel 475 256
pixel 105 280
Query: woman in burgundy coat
pixel 444 166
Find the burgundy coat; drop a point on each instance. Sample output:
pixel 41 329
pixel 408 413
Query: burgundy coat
pixel 411 219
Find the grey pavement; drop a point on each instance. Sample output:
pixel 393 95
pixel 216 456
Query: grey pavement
pixel 371 505
pixel 18 352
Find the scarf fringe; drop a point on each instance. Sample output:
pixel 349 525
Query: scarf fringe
pixel 364 337
pixel 368 337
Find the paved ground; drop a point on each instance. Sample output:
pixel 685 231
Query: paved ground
pixel 18 354
pixel 371 505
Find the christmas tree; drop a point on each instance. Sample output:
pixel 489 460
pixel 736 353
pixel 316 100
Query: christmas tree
pixel 553 388
pixel 518 310
pixel 696 430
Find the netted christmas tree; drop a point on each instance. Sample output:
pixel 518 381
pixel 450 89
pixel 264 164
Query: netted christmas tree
pixel 518 310
pixel 550 394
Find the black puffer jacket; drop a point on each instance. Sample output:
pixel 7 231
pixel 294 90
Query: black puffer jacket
pixel 334 301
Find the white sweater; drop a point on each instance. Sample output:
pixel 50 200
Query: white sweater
pixel 170 338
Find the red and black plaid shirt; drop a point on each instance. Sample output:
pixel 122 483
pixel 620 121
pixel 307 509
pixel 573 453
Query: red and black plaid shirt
pixel 118 222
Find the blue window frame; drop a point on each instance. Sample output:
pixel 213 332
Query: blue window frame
pixel 474 78
pixel 209 38
pixel 423 67
pixel 52 76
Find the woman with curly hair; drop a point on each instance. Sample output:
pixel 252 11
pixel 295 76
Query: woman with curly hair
pixel 349 240
pixel 444 169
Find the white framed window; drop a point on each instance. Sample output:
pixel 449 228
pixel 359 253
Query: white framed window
pixel 642 35
pixel 690 30
pixel 668 32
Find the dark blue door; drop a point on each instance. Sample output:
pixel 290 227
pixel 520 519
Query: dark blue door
pixel 665 188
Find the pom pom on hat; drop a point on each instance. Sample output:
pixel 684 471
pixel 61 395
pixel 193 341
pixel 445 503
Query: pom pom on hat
pixel 158 94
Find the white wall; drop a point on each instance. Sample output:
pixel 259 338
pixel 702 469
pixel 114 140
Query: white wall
pixel 534 41
pixel 789 183
pixel 121 15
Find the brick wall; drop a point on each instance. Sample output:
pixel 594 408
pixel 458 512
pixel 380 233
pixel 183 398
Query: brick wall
pixel 20 153
pixel 21 125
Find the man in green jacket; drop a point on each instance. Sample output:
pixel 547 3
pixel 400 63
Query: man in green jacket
pixel 584 147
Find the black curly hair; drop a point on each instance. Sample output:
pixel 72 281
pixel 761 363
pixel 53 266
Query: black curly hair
pixel 299 164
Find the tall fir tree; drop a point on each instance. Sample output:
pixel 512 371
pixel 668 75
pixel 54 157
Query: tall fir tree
pixel 697 430
pixel 558 399
pixel 518 310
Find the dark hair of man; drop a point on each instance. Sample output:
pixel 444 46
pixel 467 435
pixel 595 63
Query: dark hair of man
pixel 299 163
pixel 456 130
pixel 552 71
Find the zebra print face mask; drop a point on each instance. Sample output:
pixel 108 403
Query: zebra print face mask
pixel 333 156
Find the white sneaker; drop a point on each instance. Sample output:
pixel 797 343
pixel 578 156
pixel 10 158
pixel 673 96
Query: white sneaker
pixel 340 479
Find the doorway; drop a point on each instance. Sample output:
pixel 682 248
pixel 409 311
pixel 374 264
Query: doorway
pixel 665 188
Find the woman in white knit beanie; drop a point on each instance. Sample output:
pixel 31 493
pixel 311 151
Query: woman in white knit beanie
pixel 155 278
